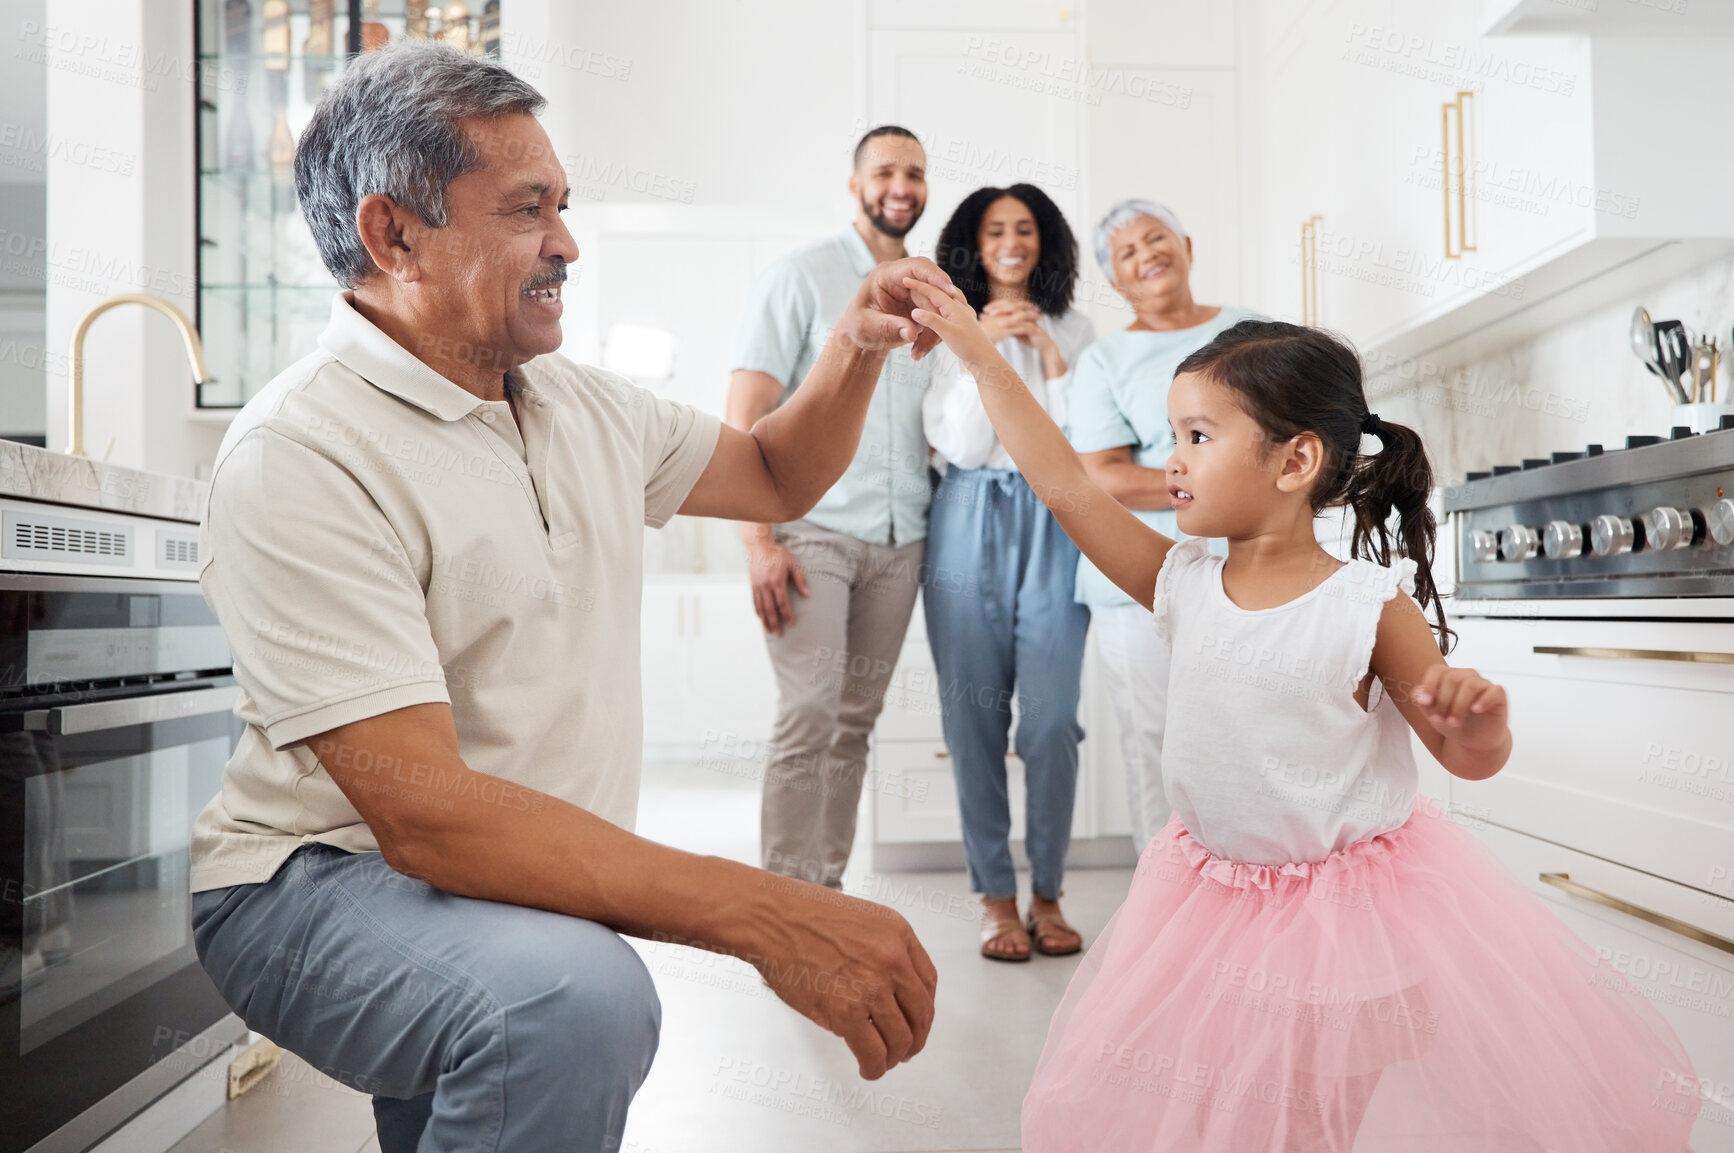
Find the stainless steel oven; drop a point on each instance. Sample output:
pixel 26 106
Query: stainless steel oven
pixel 115 725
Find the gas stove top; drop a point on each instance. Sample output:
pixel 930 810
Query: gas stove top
pixel 1654 518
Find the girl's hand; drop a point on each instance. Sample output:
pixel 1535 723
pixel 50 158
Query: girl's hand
pixel 878 319
pixel 953 321
pixel 1464 706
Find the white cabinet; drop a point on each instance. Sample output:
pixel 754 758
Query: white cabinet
pixel 1004 15
pixel 707 675
pixel 914 801
pixel 1627 759
pixel 1621 778
pixel 1318 147
pixel 1691 984
pixel 1586 174
pixel 916 798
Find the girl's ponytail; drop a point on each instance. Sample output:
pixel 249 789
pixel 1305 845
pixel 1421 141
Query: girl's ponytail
pixel 1399 479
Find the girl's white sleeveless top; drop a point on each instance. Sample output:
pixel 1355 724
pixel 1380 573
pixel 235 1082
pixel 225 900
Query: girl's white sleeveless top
pixel 1268 758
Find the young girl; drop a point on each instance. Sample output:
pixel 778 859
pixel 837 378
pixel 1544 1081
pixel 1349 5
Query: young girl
pixel 1306 961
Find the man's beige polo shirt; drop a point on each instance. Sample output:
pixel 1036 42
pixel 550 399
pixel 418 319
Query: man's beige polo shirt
pixel 377 537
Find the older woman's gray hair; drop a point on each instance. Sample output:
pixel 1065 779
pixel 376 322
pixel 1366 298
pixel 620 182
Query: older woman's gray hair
pixel 1119 217
pixel 390 125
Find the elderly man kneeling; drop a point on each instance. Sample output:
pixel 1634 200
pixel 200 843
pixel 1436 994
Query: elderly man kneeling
pixel 424 542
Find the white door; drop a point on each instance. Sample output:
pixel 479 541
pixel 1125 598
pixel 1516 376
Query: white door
pixel 991 109
pixel 1168 135
pixel 734 690
pixel 664 658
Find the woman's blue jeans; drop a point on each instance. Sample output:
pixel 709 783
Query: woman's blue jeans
pixel 997 591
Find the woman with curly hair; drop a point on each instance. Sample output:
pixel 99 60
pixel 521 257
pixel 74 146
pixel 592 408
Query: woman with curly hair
pixel 997 590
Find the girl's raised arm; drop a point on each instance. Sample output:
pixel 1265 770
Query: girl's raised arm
pixel 1128 551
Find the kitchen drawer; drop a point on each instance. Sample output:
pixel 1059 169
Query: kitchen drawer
pixel 912 699
pixel 1628 759
pixel 915 799
pixel 1690 984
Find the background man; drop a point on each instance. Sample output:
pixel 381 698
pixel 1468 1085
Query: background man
pixel 836 589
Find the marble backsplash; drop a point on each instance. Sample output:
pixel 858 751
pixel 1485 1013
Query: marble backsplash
pixel 1568 386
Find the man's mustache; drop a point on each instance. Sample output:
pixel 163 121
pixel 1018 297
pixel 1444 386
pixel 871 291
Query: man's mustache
pixel 555 275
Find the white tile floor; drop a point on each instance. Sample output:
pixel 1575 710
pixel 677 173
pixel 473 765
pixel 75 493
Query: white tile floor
pixel 737 1070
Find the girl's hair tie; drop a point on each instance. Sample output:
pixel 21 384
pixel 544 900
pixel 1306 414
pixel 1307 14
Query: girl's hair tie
pixel 1370 425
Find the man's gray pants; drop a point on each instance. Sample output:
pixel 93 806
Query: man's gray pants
pixel 833 667
pixel 477 1026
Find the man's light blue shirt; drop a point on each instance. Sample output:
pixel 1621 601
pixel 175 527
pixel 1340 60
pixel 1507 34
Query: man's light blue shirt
pixel 791 308
pixel 1119 398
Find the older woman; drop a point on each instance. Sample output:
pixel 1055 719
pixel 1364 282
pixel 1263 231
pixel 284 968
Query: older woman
pixel 1000 572
pixel 1119 426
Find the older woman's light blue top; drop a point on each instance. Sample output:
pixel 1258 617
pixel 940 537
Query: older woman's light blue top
pixel 1120 397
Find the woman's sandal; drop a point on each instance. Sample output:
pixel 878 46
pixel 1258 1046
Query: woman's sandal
pixel 998 925
pixel 1044 928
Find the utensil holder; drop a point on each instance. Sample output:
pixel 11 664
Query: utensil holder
pixel 1703 417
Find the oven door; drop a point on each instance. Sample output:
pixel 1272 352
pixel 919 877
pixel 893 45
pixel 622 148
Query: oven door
pixel 99 785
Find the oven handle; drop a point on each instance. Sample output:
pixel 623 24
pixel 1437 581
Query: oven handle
pixel 95 716
pixel 1688 655
pixel 1563 881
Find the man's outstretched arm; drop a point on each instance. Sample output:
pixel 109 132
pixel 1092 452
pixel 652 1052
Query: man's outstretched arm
pixel 777 471
pixel 851 966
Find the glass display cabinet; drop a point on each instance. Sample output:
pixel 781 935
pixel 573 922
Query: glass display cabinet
pixel 264 296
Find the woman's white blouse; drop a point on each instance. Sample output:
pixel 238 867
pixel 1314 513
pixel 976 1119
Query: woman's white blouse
pixel 952 414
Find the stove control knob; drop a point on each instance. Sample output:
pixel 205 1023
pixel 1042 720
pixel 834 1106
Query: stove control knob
pixel 1611 535
pixel 1667 528
pixel 1720 518
pixel 1562 539
pixel 1518 542
pixel 1484 545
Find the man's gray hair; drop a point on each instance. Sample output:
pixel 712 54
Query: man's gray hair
pixel 1119 217
pixel 390 125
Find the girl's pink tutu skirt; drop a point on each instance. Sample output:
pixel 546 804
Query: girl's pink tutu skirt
pixel 1403 994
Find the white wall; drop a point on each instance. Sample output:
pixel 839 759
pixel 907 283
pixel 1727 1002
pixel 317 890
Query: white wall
pixel 704 139
pixel 121 219
pixel 24 355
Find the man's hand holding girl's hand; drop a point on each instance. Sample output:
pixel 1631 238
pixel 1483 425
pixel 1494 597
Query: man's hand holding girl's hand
pixel 1464 706
pixel 879 318
pixel 951 318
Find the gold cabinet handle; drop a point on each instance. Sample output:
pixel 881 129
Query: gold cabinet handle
pixel 1564 883
pixel 1687 655
pixel 1456 176
pixel 1309 262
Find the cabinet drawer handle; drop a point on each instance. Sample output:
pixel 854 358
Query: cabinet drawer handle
pixel 946 756
pixel 1564 883
pixel 1456 174
pixel 1687 655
